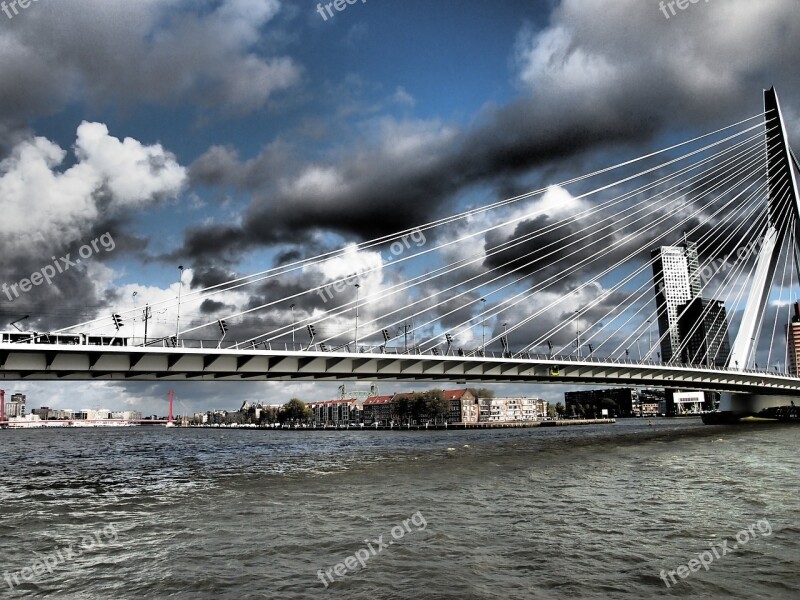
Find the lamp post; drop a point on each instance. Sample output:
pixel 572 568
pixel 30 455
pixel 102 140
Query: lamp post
pixel 146 316
pixel 133 320
pixel 649 341
pixel 178 318
pixel 293 322
pixel 578 332
pixel 356 336
pixel 483 326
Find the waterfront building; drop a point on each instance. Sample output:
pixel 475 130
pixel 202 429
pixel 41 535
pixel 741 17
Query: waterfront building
pixel 33 421
pixel 650 409
pixel 534 409
pixel 489 411
pixel 216 417
pixel 377 410
pixel 793 340
pixel 16 406
pixel 127 415
pixel 43 413
pixel 337 412
pixel 677 281
pixel 652 402
pixel 686 403
pixel 512 410
pixel 620 402
pixel 464 407
pixel 97 414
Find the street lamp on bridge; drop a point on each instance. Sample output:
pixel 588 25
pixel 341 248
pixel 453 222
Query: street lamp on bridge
pixel 293 325
pixel 133 319
pixel 356 336
pixel 178 318
pixel 483 327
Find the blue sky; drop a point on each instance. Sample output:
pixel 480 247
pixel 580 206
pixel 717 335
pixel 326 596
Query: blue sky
pixel 229 135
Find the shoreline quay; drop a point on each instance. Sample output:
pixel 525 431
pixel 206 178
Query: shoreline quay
pixel 453 426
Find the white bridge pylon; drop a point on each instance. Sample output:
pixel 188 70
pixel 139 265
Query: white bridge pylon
pixel 781 170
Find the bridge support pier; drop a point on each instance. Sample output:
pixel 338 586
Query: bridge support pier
pixel 732 407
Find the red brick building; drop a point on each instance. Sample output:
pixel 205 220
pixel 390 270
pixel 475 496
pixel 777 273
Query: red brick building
pixel 377 409
pixel 464 407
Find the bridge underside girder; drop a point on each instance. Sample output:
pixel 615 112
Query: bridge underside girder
pixel 80 363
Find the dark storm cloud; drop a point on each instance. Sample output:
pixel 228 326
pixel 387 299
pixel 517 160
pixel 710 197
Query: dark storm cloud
pixel 71 295
pixel 380 195
pixel 220 166
pixel 546 255
pixel 600 77
pixel 559 324
pixel 121 53
pixel 223 242
pixel 209 307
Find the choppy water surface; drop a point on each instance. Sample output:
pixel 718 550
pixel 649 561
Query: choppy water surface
pixel 579 512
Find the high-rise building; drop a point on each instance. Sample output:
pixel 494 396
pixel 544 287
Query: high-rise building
pixel 703 331
pixel 677 280
pixel 794 341
pixel 16 406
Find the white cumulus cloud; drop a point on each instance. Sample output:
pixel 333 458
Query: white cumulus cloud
pixel 109 175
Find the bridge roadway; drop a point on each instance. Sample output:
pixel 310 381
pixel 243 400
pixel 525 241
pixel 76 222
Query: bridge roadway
pixel 44 362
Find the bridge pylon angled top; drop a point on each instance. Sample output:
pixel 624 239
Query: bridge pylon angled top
pixel 782 177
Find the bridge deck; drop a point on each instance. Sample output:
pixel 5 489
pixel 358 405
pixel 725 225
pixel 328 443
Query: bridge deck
pixel 33 362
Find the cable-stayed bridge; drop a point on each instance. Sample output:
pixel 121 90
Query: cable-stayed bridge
pixel 689 252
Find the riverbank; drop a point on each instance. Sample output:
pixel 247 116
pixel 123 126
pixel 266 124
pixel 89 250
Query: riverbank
pixel 453 426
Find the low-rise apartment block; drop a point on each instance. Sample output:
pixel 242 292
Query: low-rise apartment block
pixel 337 412
pixel 512 410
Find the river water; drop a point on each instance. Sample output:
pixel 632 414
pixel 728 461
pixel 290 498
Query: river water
pixel 601 511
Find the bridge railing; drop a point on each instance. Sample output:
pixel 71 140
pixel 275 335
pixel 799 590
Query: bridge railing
pixel 203 344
